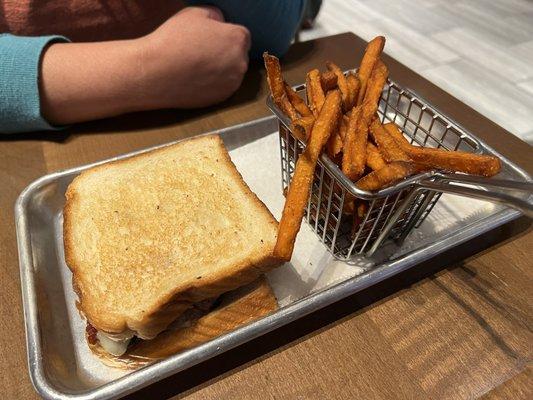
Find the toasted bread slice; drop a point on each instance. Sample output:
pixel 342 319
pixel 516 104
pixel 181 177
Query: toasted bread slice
pixel 147 236
pixel 238 307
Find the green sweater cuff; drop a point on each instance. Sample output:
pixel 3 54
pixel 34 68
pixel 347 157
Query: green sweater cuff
pixel 20 58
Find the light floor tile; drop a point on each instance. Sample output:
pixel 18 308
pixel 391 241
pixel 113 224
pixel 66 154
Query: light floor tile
pixel 495 58
pixel 492 24
pixel 480 51
pixel 528 87
pixel 496 99
pixel 523 51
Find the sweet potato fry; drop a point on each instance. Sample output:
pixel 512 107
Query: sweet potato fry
pixel 374 161
pixel 458 161
pixel 398 136
pixel 386 176
pixel 336 141
pixel 342 83
pixel 302 127
pixel 373 90
pixel 343 126
pixel 334 146
pixel 372 53
pixel 274 78
pixel 288 108
pixel 420 168
pixel 361 209
pixel 389 149
pixel 315 94
pixel 297 102
pixel 354 149
pixel 348 207
pixel 302 180
pixel 353 89
pixel 354 154
pixel 299 132
pixel 328 80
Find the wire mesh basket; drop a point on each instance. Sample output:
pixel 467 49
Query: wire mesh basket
pixel 391 213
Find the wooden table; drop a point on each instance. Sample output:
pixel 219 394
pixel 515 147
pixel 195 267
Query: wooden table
pixel 457 326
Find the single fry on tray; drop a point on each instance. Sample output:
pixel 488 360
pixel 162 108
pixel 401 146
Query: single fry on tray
pixel 297 101
pixel 342 83
pixel 458 161
pixel 328 80
pixel 302 179
pixel 386 176
pixel 315 94
pixel 274 78
pixel 389 149
pixel 372 53
pixel 374 161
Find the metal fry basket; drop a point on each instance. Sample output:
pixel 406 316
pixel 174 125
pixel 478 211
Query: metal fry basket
pixel 391 213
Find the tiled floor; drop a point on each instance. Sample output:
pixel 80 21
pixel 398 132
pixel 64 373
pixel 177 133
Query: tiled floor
pixel 480 51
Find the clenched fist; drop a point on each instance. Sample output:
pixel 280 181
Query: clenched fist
pixel 193 60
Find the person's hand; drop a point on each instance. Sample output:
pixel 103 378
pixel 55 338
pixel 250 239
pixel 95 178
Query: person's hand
pixel 194 59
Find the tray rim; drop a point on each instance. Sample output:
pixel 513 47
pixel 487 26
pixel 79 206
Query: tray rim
pixel 179 362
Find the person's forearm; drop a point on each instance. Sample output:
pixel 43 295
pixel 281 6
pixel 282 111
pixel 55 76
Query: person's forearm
pixel 85 81
pixel 192 60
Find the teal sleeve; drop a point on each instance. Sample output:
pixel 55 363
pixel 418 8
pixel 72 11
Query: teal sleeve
pixel 20 56
pixel 272 23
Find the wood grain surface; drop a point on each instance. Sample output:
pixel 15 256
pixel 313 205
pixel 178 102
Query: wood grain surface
pixel 458 326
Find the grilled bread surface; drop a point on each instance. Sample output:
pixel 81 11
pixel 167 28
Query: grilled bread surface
pixel 147 236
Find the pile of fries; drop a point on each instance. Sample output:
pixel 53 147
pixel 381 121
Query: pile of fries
pixel 340 117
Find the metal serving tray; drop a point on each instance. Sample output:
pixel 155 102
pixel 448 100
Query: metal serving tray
pixel 62 367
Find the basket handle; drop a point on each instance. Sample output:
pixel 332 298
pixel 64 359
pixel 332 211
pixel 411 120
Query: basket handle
pixel 518 195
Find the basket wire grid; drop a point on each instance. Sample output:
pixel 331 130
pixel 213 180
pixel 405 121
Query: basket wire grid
pixel 378 217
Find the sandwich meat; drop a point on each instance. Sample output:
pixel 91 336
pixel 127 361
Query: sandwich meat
pixel 194 327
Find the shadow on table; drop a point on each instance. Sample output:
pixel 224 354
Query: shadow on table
pixel 232 361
